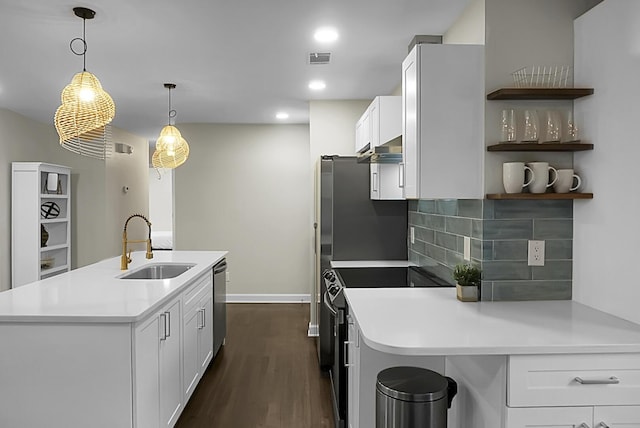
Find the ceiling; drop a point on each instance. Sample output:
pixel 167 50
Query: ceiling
pixel 235 61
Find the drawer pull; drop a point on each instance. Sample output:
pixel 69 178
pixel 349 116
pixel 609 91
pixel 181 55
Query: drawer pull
pixel 610 381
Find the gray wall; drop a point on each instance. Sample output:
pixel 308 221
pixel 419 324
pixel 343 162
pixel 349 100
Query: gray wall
pixel 499 232
pixel 99 206
pixel 607 227
pixel 245 189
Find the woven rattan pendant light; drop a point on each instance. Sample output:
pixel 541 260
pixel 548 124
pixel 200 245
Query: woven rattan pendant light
pixel 83 118
pixel 171 149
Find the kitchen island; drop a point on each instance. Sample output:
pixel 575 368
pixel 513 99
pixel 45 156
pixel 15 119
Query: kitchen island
pixel 517 364
pixel 88 348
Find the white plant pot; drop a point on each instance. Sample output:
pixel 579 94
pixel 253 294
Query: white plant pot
pixel 467 293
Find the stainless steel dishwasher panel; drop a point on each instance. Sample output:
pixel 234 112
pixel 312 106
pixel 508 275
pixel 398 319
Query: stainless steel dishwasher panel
pixel 219 305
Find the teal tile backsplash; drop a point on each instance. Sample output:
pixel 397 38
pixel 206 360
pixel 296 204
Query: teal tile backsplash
pixel 499 231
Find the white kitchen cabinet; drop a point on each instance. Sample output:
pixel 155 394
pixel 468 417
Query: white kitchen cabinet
pixel 198 332
pixel 363 132
pixel 158 381
pixel 380 123
pixel 38 211
pixel 386 181
pixel 353 373
pixel 443 122
pixel 574 417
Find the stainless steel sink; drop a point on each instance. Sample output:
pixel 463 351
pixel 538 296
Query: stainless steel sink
pixel 159 271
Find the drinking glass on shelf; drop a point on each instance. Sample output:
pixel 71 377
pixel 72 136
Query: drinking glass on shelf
pixel 531 126
pixel 572 129
pixel 508 126
pixel 553 132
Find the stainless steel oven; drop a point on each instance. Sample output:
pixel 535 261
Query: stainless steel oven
pixel 335 280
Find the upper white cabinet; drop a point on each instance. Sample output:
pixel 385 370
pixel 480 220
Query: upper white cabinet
pixel 386 181
pixel 40 221
pixel 380 123
pixel 443 122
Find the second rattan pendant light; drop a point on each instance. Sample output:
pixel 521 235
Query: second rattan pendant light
pixel 171 149
pixel 83 118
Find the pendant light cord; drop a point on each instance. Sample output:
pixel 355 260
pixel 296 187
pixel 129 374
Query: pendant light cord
pixel 172 113
pixel 83 39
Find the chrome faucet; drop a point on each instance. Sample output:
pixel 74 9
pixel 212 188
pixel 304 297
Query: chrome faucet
pixel 126 258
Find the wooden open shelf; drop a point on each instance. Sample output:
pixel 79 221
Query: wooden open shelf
pixel 539 196
pixel 540 147
pixel 539 93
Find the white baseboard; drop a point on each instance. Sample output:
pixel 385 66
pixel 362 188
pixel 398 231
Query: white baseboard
pixel 268 298
pixel 313 330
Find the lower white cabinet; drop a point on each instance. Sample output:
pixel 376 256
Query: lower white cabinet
pixel 386 181
pixel 574 417
pixel 198 333
pixel 158 382
pixel 353 373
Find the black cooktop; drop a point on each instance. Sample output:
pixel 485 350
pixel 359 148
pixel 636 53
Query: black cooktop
pixel 381 277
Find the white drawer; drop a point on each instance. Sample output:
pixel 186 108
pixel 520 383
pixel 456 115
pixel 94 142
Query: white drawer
pixel 194 293
pixel 555 380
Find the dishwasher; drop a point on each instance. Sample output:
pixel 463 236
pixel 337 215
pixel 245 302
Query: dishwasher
pixel 219 305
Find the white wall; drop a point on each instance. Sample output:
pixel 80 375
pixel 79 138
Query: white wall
pixel 245 189
pixel 469 27
pixel 161 199
pixel 521 33
pixel 606 229
pixel 98 204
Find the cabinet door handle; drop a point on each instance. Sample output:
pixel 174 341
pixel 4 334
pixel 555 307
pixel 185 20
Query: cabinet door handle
pixel 401 175
pixel 167 323
pixel 163 322
pixel 375 182
pixel 602 425
pixel 201 313
pixel 609 381
pixel 345 344
pixel 583 425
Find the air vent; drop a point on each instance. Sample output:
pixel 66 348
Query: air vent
pixel 319 57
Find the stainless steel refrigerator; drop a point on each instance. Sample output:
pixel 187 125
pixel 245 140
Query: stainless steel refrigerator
pixel 351 226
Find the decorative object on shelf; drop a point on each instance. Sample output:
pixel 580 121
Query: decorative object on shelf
pixel 571 128
pixel 508 126
pixel 531 125
pixel 564 181
pixel 513 176
pixel 554 127
pixel 468 279
pixel 543 77
pixel 52 184
pixel 47 263
pixel 44 236
pixel 171 149
pixel 49 210
pixel 83 118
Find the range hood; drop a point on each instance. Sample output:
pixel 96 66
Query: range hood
pixel 389 152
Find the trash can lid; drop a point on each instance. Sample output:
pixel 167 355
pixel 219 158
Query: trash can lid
pixel 412 384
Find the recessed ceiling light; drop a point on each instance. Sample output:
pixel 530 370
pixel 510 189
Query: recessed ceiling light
pixel 317 85
pixel 282 115
pixel 326 35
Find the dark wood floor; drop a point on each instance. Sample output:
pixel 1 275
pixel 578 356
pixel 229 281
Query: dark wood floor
pixel 266 376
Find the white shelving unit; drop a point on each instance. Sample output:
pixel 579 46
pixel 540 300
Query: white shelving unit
pixel 30 202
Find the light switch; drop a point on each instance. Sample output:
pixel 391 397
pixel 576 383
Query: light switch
pixel 467 248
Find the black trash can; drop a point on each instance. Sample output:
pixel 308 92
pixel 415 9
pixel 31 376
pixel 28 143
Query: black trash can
pixel 413 397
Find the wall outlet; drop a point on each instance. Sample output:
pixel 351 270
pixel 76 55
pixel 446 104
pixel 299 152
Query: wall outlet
pixel 536 253
pixel 467 248
pixel 412 232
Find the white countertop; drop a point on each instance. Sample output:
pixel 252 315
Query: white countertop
pixel 431 321
pixel 369 263
pixel 94 293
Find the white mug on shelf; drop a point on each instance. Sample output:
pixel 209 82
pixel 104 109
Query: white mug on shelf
pixel 540 181
pixel 513 175
pixel 565 180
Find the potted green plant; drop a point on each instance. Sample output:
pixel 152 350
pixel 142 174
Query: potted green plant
pixel 467 278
